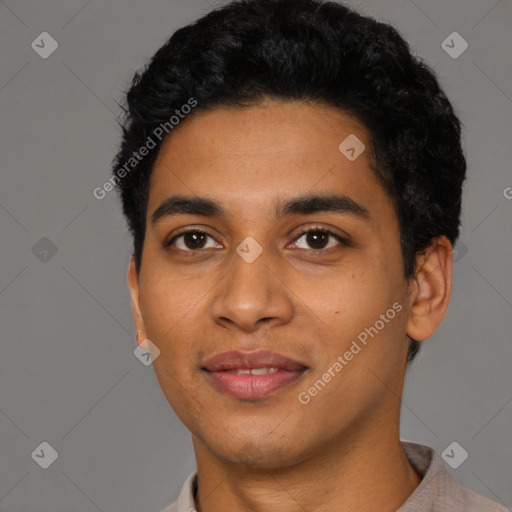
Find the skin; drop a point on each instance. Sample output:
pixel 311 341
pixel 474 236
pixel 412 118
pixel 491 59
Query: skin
pixel 341 451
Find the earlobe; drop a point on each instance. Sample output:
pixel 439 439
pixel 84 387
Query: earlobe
pixel 430 289
pixel 133 285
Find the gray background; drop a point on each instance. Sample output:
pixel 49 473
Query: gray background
pixel 68 375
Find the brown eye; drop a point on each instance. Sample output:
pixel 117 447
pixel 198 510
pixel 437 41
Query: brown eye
pixel 193 241
pixel 318 239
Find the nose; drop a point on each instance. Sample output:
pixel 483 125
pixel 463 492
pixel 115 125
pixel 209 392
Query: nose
pixel 252 295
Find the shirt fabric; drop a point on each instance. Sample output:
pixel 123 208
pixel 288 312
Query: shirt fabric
pixel 438 491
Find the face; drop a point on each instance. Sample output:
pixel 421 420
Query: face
pixel 267 249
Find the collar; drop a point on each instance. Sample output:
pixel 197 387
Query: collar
pixel 438 490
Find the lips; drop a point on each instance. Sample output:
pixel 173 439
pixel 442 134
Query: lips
pixel 252 375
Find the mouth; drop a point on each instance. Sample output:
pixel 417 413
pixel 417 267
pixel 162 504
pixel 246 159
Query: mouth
pixel 252 375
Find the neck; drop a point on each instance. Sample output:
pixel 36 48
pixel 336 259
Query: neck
pixel 359 473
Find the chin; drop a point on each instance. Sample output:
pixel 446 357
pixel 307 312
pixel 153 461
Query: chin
pixel 257 452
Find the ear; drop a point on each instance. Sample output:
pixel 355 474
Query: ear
pixel 133 285
pixel 430 289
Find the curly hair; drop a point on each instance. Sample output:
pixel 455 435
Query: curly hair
pixel 308 50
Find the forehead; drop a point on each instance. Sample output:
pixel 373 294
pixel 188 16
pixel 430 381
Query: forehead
pixel 263 152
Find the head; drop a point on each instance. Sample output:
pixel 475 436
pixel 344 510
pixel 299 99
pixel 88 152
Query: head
pixel 243 117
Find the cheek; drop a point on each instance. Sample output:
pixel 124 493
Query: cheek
pixel 165 302
pixel 366 305
pixel 349 298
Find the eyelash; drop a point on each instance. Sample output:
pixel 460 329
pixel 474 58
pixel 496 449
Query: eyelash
pixel 342 241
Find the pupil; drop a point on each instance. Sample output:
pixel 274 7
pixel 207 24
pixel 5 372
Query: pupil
pixel 194 240
pixel 317 239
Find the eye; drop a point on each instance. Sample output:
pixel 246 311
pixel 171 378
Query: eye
pixel 318 240
pixel 193 240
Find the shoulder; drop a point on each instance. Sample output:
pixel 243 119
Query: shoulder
pixel 438 491
pixel 465 500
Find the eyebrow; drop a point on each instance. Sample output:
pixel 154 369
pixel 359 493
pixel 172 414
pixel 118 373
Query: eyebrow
pixel 337 203
pixel 176 205
pixel 302 205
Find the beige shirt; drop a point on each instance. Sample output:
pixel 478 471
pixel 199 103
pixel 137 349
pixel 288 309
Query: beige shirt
pixel 437 491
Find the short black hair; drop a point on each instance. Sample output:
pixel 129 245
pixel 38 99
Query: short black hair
pixel 306 50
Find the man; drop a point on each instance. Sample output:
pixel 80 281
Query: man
pixel 292 178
